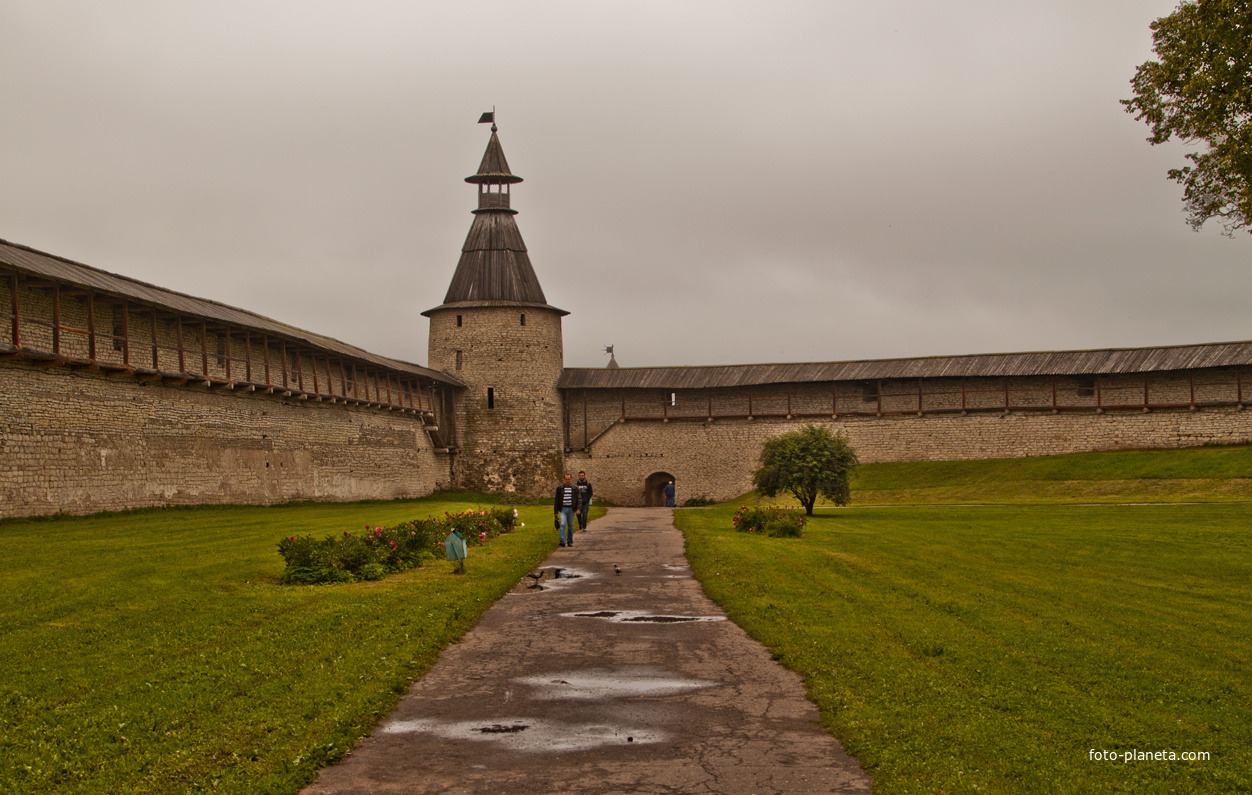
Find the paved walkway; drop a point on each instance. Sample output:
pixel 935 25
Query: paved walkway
pixel 600 682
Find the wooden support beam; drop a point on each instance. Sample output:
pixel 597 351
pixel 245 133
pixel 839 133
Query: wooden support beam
pixel 156 355
pixel 356 384
pixel 56 318
pixel 204 348
pixel 316 387
pixel 283 349
pixel 247 357
pixel 227 348
pixel 16 283
pixel 125 332
pixel 91 327
pixel 265 342
pixel 182 353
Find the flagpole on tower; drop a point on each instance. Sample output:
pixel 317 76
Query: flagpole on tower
pixel 489 116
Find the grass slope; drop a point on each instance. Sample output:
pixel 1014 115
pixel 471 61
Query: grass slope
pixel 155 652
pixel 989 649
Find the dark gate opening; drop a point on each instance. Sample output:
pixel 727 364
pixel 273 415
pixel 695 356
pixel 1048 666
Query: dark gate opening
pixel 654 489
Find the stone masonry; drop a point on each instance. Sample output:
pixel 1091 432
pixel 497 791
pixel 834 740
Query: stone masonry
pixel 510 438
pixel 81 442
pixel 715 459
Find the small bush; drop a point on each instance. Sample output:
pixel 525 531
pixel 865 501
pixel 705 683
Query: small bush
pixel 386 550
pixel 773 521
pixel 698 502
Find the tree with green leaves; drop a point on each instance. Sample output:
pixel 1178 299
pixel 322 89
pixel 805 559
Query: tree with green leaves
pixel 807 462
pixel 1201 91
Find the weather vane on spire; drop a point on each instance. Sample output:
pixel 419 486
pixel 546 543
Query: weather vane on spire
pixel 489 116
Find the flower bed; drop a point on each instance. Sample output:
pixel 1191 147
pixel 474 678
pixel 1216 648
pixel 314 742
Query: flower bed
pixel 380 551
pixel 773 520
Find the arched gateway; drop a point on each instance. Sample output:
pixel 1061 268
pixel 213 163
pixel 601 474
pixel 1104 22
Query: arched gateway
pixel 654 489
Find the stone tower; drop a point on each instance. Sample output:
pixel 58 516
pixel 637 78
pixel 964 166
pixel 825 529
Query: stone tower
pixel 497 334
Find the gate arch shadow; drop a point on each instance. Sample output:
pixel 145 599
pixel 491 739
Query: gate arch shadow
pixel 654 489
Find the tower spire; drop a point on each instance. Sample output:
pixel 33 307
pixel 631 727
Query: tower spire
pixel 494 266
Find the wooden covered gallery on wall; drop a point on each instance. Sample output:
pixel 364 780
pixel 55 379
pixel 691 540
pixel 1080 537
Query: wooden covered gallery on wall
pixel 59 313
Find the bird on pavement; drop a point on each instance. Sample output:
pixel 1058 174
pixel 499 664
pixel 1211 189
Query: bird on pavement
pixel 616 569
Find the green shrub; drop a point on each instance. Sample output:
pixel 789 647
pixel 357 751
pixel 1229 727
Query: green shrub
pixel 699 502
pixel 773 520
pixel 386 550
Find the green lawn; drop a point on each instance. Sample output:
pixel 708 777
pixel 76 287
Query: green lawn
pixel 155 651
pixel 989 649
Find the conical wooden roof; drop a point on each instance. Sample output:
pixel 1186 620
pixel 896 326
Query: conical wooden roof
pixel 494 264
pixel 494 269
pixel 494 168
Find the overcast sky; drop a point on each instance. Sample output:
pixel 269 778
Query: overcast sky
pixel 705 182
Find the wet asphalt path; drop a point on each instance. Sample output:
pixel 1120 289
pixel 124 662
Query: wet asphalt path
pixel 603 683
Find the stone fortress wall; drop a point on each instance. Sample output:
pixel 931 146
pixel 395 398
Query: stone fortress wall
pixel 113 405
pixel 115 394
pixel 76 441
pixel 623 436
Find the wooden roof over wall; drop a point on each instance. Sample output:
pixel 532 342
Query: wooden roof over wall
pixel 1106 361
pixel 48 266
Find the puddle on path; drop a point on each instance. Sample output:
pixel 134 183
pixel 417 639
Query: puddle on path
pixel 527 734
pixel 639 617
pixel 628 681
pixel 550 577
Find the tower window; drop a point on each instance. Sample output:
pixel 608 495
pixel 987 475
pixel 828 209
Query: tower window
pixel 458 360
pixel 523 318
pixel 491 397
pixel 458 321
pixel 673 398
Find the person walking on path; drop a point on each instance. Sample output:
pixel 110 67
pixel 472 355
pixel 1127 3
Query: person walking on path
pixel 669 494
pixel 565 508
pixel 584 494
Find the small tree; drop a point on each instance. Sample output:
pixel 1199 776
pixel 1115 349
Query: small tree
pixel 807 462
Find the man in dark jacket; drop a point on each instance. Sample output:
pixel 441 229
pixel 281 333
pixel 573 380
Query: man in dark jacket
pixel 565 508
pixel 584 497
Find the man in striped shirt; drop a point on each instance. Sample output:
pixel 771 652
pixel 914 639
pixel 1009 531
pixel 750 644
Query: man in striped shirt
pixel 567 505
